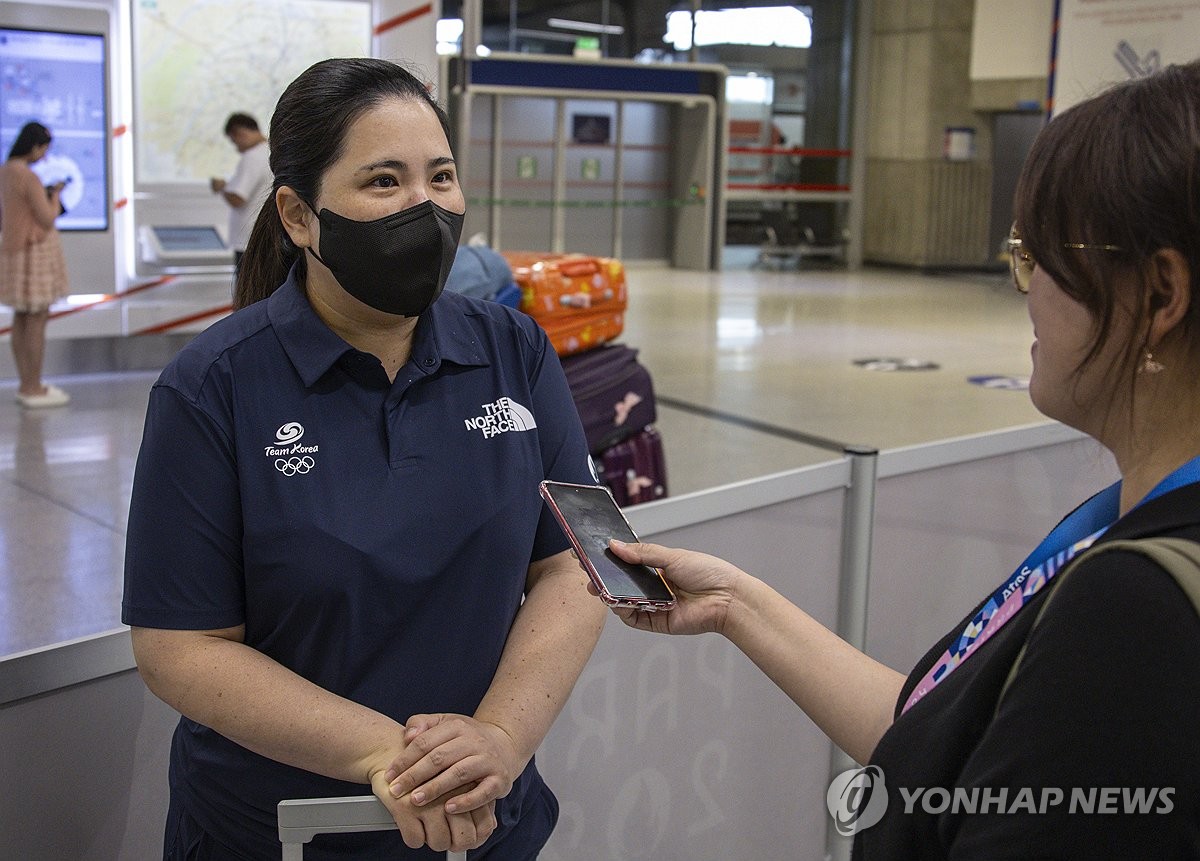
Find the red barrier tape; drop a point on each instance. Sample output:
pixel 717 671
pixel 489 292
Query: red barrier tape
pixel 183 321
pixel 392 23
pixel 110 297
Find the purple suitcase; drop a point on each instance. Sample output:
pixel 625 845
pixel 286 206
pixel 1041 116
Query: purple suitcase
pixel 613 393
pixel 634 469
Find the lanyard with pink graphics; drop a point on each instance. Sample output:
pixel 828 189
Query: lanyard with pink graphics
pixel 1077 532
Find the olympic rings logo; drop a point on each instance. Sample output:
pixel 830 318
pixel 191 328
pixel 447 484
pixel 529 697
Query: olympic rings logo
pixel 294 465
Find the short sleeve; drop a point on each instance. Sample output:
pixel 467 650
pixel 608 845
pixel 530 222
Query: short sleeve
pixel 1103 708
pixel 563 446
pixel 183 559
pixel 243 180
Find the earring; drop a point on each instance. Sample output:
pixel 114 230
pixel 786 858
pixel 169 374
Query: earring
pixel 1150 366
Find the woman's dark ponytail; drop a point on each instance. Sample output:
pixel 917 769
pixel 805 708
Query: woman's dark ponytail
pixel 268 258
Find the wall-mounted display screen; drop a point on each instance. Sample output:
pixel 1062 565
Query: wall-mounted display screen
pixel 58 79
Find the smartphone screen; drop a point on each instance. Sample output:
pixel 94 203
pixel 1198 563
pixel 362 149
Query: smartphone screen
pixel 590 516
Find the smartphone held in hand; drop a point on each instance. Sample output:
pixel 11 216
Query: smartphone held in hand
pixel 589 517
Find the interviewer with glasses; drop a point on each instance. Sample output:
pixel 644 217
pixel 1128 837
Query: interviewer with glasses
pixel 1099 695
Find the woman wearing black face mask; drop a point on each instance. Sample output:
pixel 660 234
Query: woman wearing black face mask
pixel 338 566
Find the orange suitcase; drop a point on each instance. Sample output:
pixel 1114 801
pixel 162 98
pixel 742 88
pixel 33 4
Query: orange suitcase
pixel 573 333
pixel 560 284
pixel 577 298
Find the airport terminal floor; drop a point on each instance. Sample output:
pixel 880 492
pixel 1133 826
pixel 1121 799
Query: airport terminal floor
pixel 756 370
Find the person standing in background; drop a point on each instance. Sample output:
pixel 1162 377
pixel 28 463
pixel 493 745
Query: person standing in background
pixel 33 271
pixel 250 184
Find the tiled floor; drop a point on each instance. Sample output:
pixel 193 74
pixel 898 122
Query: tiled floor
pixel 65 476
pixel 779 349
pixel 749 364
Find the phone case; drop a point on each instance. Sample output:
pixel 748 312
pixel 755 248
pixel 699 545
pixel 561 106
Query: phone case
pixel 647 604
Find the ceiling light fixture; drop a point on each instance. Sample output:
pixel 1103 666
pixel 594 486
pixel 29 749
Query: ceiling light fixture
pixel 585 26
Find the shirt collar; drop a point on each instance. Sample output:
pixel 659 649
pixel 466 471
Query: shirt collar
pixel 447 332
pixel 443 333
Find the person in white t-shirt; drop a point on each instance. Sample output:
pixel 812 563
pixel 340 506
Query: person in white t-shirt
pixel 250 184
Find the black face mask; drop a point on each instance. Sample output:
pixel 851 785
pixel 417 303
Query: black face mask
pixel 397 263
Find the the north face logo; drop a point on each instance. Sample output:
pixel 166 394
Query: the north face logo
pixel 501 416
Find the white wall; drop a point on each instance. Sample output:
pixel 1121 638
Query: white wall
pixel 1011 40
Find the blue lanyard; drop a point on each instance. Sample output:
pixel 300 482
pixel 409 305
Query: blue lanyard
pixel 1072 536
pixel 1098 514
pixel 1189 473
pixel 1095 515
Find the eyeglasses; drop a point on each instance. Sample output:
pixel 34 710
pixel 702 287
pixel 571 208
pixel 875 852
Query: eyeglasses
pixel 1022 264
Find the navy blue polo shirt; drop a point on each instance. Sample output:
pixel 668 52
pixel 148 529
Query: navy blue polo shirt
pixel 372 536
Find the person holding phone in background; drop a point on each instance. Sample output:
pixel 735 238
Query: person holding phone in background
pixel 1107 246
pixel 33 271
pixel 339 569
pixel 248 189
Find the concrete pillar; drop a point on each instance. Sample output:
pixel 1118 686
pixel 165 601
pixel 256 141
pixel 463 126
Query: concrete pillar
pixel 827 110
pixel 923 209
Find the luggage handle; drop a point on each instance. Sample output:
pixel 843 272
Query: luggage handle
pixel 302 819
pixel 573 268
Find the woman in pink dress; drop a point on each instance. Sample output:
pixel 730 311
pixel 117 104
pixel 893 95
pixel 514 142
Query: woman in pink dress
pixel 33 272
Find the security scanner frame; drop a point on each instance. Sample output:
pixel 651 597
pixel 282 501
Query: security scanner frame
pixel 676 109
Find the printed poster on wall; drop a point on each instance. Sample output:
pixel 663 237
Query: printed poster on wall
pixel 197 61
pixel 1101 42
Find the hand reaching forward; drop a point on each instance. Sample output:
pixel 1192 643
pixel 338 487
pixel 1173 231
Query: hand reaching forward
pixel 445 753
pixel 704 588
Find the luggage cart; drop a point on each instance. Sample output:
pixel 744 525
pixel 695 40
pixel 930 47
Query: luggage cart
pixel 776 253
pixel 302 819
